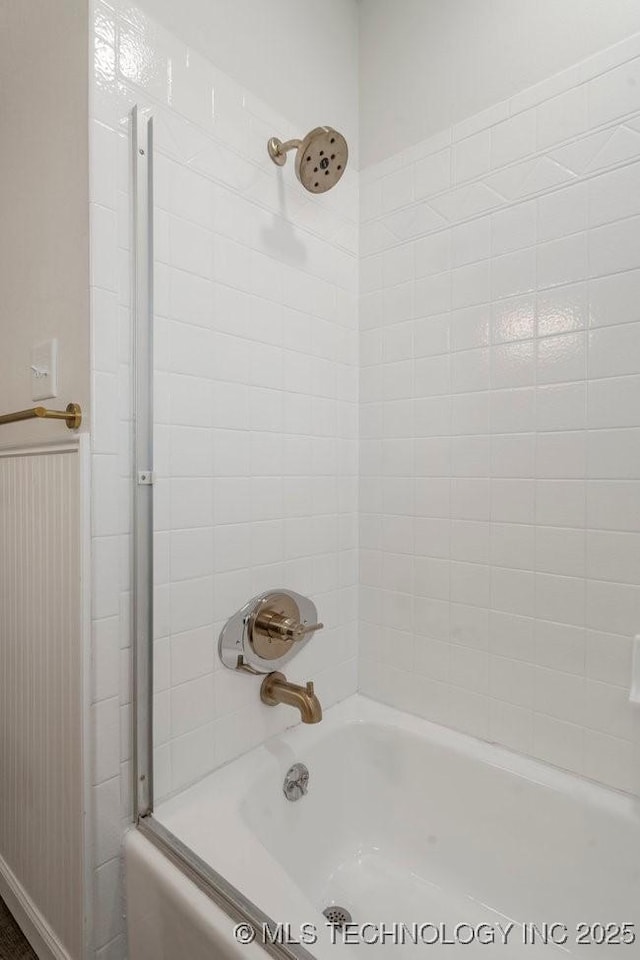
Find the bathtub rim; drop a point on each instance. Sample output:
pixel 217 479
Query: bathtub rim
pixel 358 710
pixel 218 889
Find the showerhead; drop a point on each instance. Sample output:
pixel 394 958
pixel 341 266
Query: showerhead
pixel 321 157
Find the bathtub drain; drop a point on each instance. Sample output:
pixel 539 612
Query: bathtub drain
pixel 337 916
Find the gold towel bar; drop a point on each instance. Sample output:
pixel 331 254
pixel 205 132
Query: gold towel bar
pixel 72 415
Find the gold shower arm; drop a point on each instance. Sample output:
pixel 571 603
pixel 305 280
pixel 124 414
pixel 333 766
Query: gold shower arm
pixel 278 150
pixel 72 415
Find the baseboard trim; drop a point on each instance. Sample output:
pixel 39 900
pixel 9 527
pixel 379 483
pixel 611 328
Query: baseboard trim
pixel 34 926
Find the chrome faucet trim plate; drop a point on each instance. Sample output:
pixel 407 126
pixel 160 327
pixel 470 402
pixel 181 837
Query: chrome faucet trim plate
pixel 268 631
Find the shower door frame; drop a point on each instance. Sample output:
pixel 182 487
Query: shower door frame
pixel 209 881
pixel 142 587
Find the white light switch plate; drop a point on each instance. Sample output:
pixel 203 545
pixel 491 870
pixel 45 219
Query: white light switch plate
pixel 44 370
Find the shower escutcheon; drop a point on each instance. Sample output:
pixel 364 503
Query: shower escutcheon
pixel 270 629
pixel 321 158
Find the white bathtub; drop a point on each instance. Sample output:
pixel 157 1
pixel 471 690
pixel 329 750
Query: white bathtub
pixel 404 823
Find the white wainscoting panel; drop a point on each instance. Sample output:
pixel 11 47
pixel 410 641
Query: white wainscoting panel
pixel 41 685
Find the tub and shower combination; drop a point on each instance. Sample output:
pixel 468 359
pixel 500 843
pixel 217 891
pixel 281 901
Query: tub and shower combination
pixel 405 823
pixel 369 826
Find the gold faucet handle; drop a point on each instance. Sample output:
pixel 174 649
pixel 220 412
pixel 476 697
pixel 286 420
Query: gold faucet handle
pixel 304 628
pixel 278 626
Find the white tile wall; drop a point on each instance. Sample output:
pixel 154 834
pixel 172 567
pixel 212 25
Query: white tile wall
pixel 499 372
pixel 500 473
pixel 256 353
pixel 111 504
pixel 256 356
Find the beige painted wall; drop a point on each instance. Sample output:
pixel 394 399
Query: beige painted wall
pixel 44 214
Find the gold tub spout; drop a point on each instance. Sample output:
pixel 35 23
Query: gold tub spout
pixel 277 689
